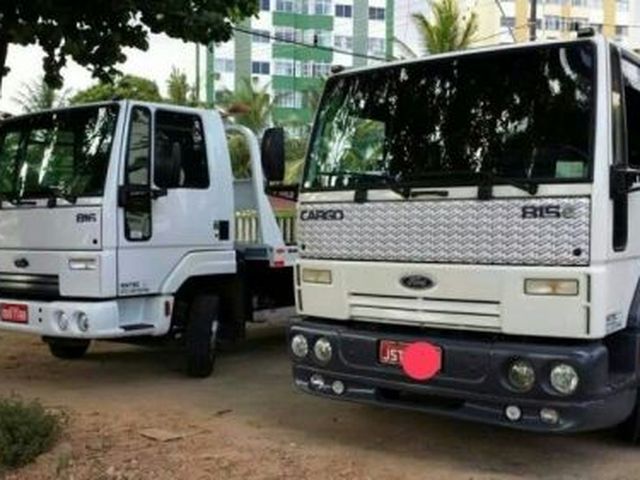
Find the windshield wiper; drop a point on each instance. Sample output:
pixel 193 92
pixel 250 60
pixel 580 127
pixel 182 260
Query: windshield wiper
pixel 361 190
pixel 57 192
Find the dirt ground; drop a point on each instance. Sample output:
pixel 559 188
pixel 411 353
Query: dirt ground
pixel 247 421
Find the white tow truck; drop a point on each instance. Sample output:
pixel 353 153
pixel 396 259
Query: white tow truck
pixel 118 222
pixel 469 235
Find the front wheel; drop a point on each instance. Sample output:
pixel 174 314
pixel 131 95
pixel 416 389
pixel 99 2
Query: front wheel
pixel 201 335
pixel 68 349
pixel 629 430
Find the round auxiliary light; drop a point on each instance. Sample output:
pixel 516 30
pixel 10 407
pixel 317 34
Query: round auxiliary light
pixel 62 320
pixel 521 375
pixel 549 415
pixel 82 320
pixel 316 381
pixel 299 346
pixel 513 413
pixel 564 379
pixel 338 387
pixel 322 350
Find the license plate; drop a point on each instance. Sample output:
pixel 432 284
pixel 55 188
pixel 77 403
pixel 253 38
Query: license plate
pixel 14 313
pixel 390 352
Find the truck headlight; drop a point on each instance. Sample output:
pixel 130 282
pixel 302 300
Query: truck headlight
pixel 564 379
pixel 521 375
pixel 322 350
pixel 83 264
pixel 299 346
pixel 316 275
pixel 551 286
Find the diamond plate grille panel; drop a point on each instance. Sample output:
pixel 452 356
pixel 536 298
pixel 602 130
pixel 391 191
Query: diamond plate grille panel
pixel 450 231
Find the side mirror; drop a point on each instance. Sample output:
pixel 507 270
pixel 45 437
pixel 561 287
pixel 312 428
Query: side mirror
pixel 621 180
pixel 272 153
pixel 166 173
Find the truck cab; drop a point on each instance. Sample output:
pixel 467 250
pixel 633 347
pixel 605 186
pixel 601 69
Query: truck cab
pixel 118 221
pixel 469 237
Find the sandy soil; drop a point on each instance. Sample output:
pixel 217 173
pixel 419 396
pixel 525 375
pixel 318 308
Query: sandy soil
pixel 247 421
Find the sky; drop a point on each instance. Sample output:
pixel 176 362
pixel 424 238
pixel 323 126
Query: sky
pixel 156 63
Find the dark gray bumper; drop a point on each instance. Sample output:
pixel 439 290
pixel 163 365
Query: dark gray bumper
pixel 472 384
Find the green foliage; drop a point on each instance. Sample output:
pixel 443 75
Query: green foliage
pixel 26 431
pixel 448 30
pixel 95 34
pixel 126 87
pixel 178 88
pixel 249 105
pixel 294 149
pixel 240 156
pixel 37 95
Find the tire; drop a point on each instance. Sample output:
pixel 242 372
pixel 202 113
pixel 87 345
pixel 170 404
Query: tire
pixel 629 430
pixel 201 335
pixel 68 349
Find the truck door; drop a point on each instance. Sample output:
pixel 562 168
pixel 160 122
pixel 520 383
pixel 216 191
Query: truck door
pixel 160 224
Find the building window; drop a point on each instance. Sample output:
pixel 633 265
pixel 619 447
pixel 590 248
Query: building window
pixel 622 30
pixel 265 5
pixel 345 11
pixel 287 34
pixel 322 7
pixel 553 22
pixel 285 6
pixel 283 67
pixel 288 99
pixel 623 5
pixel 261 36
pixel 260 68
pixel 508 22
pixel 580 3
pixel 376 13
pixel 223 65
pixel 343 42
pixel 376 46
pixel 321 69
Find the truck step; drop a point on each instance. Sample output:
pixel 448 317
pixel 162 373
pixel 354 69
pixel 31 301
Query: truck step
pixel 137 326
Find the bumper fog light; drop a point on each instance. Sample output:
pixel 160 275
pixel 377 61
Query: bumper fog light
pixel 322 350
pixel 316 381
pixel 299 346
pixel 315 275
pixel 521 375
pixel 566 288
pixel 338 387
pixel 549 415
pixel 82 320
pixel 564 379
pixel 62 320
pixel 83 264
pixel 513 413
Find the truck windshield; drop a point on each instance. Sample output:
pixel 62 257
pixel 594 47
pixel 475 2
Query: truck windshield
pixel 522 114
pixel 64 152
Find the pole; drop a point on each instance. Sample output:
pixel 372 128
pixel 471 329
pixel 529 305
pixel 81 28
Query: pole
pixel 197 83
pixel 533 21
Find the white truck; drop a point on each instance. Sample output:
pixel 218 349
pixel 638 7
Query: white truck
pixel 118 222
pixel 469 236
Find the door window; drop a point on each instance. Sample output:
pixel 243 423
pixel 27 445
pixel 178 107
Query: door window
pixel 180 154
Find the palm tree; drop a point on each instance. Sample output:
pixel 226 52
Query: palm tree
pixel 249 105
pixel 448 30
pixel 178 88
pixel 37 95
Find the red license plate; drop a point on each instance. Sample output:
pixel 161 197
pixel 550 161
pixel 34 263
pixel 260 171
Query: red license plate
pixel 14 313
pixel 390 352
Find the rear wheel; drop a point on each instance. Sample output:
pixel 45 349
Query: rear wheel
pixel 201 335
pixel 629 430
pixel 68 349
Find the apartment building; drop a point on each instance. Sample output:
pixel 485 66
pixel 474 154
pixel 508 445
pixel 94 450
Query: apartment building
pixel 292 44
pixel 508 20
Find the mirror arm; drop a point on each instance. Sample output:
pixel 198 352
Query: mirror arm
pixel 620 180
pixel 158 192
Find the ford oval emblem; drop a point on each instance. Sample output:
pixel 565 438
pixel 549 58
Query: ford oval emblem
pixel 417 282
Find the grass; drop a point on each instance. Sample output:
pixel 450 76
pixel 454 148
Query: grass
pixel 27 430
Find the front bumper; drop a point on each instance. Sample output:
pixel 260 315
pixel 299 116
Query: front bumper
pixel 472 383
pixel 108 319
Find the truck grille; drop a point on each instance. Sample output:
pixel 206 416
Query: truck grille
pixel 32 286
pixel 424 311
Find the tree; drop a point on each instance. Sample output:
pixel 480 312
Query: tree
pixel 449 30
pixel 250 105
pixel 126 87
pixel 95 34
pixel 178 88
pixel 37 95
